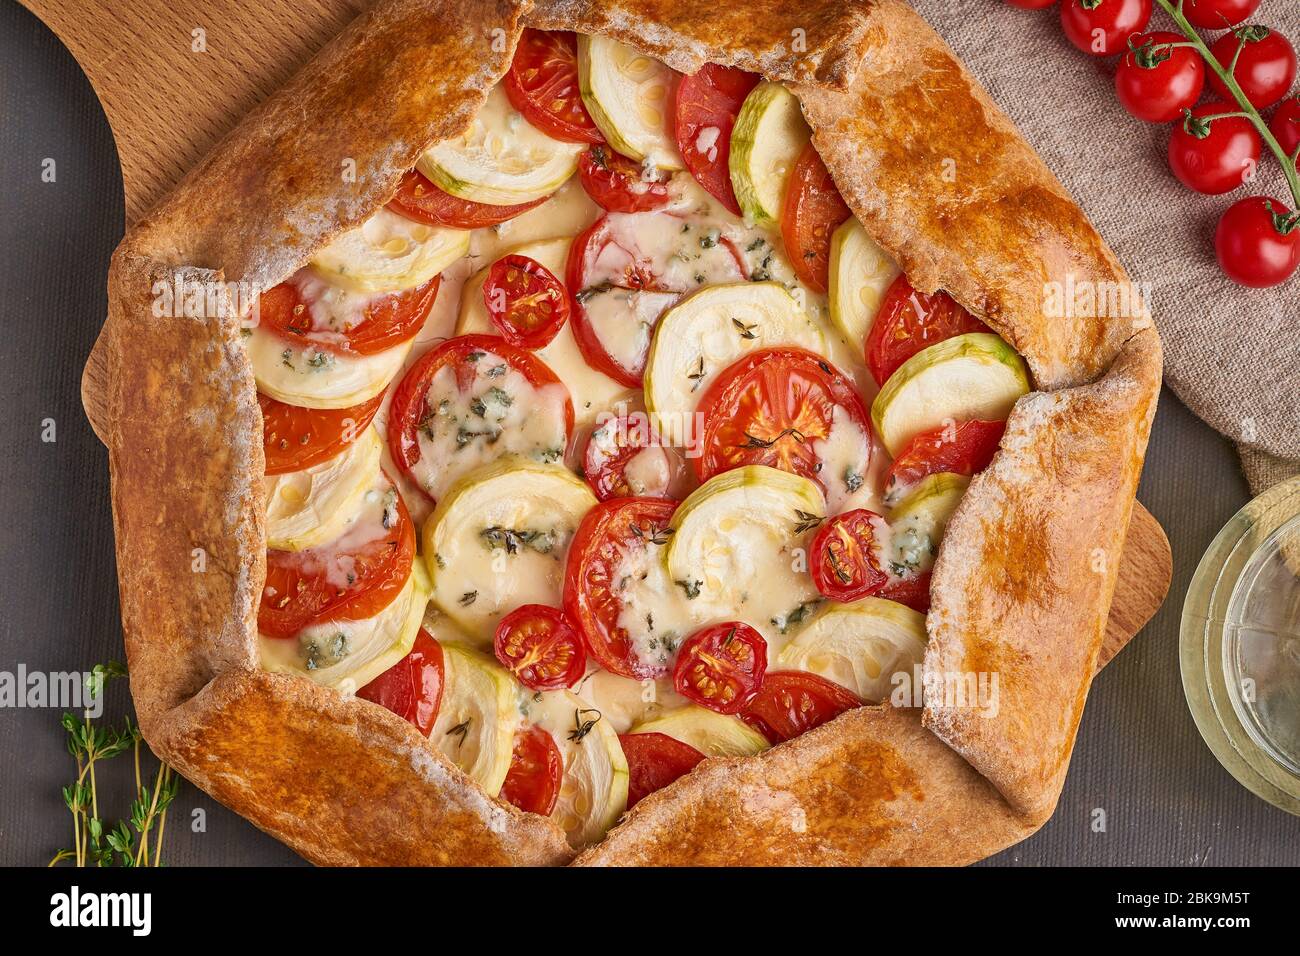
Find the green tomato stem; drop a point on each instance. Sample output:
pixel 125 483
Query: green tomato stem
pixel 1288 163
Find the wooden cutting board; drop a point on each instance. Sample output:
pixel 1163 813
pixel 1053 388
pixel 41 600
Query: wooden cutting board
pixel 174 76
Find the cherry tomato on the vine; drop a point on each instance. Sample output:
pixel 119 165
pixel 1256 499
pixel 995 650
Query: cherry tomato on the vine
pixel 1218 14
pixel 1264 69
pixel 1258 242
pixel 1216 156
pixel 1102 27
pixel 1285 124
pixel 1157 80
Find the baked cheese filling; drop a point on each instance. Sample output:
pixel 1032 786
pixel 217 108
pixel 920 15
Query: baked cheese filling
pixel 682 440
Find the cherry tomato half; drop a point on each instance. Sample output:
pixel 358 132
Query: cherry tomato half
pixel 721 667
pixel 619 184
pixel 1102 27
pixel 1156 81
pixel 1265 67
pixel 542 83
pixel 844 557
pixel 964 449
pixel 536 770
pixel 536 644
pixel 525 302
pixel 653 762
pixel 1285 125
pixel 387 320
pixel 1213 157
pixel 812 210
pixel 791 702
pixel 1218 14
pixel 908 322
pixel 418 198
pixel 1258 242
pixel 302 587
pixel 294 438
pixel 624 459
pixel 705 110
pixel 593 597
pixel 773 407
pixel 412 688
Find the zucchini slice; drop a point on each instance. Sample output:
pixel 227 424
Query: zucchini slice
pixel 320 379
pixel 629 96
pixel 499 538
pixel 918 521
pixel 389 253
pixel 859 646
pixel 714 735
pixel 976 375
pixel 309 507
pixel 502 159
pixel 768 137
pixel 860 274
pixel 478 716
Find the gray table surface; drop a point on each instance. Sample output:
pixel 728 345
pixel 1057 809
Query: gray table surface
pixel 1138 756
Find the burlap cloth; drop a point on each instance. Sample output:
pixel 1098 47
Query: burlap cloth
pixel 1231 354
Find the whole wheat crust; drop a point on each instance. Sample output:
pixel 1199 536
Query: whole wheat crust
pixel 1023 582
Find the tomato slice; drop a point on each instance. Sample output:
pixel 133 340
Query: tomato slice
pixel 773 407
pixel 625 270
pixel 542 83
pixel 536 768
pixel 813 209
pixel 624 458
pixel 525 302
pixel 913 591
pixel 619 184
pixel 350 579
pixel 843 559
pixel 963 449
pixel 410 415
pixel 294 438
pixel 908 322
pixel 791 702
pixel 412 688
pixel 420 199
pixel 721 667
pixel 704 114
pixel 654 761
pixel 297 312
pixel 592 587
pixel 536 644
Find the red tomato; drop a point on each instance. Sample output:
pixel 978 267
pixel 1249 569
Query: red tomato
pixel 771 408
pixel 412 688
pixel 536 644
pixel 610 258
pixel 611 448
pixel 964 449
pixel 721 667
pixel 542 83
pixel 791 702
pixel 619 184
pixel 302 586
pixel 704 114
pixel 913 591
pixel 908 322
pixel 409 407
pixel 1265 67
pixel 592 590
pixel 1218 14
pixel 1031 4
pixel 295 438
pixel 1285 125
pixel 389 320
pixel 844 559
pixel 1214 157
pixel 419 199
pixel 536 769
pixel 811 211
pixel 525 302
pixel 1258 242
pixel 1156 81
pixel 653 762
pixel 1101 27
